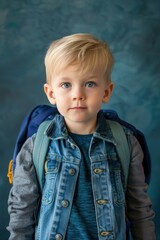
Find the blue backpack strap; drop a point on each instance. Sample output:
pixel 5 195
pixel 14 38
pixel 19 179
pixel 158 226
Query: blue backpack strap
pixel 122 147
pixel 40 150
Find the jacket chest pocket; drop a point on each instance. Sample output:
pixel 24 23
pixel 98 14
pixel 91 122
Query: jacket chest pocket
pixel 52 167
pixel 116 180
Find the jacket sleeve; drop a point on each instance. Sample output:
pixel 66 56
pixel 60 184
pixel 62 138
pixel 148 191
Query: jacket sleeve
pixel 139 207
pixel 24 196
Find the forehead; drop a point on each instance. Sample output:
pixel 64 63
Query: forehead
pixel 77 70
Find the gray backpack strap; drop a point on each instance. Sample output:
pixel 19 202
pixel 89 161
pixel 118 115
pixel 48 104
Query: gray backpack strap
pixel 122 146
pixel 40 150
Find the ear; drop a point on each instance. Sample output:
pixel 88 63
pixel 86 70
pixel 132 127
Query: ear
pixel 49 92
pixel 108 92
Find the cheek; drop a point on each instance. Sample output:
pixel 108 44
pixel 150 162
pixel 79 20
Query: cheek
pixel 97 96
pixel 60 93
pixel 61 100
pixel 95 102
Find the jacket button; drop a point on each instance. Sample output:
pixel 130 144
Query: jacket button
pixel 65 203
pixel 102 201
pixel 72 171
pixel 105 233
pixel 58 237
pixel 98 170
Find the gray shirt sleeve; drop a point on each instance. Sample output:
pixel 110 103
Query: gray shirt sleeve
pixel 24 196
pixel 139 207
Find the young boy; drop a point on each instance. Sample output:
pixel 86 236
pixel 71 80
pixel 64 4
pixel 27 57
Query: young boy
pixel 83 196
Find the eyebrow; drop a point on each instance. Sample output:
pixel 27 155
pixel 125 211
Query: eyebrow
pixel 65 78
pixel 83 77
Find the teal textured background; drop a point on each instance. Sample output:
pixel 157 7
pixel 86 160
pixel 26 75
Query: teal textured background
pixel 132 29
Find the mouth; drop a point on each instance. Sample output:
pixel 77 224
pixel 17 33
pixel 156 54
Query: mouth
pixel 78 108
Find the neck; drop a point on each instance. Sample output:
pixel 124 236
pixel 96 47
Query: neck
pixel 81 128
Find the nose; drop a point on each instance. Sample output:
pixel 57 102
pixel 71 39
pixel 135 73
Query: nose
pixel 78 94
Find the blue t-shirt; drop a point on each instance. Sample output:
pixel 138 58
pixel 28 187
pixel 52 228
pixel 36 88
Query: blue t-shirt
pixel 82 223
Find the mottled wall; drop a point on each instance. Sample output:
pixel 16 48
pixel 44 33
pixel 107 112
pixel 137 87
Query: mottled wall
pixel 132 28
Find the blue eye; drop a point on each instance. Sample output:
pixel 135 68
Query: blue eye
pixel 90 84
pixel 66 85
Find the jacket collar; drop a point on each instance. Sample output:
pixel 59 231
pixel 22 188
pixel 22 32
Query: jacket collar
pixel 58 130
pixel 103 130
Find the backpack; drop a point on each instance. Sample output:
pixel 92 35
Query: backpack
pixel 41 116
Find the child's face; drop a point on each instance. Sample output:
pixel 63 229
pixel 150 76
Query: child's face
pixel 78 97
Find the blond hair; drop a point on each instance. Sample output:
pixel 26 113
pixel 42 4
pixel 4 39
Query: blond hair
pixel 83 50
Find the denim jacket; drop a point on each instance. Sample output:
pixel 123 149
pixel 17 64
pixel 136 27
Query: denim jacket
pixel 112 204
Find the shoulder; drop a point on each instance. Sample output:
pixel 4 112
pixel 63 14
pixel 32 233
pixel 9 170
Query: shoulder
pixel 133 141
pixel 24 160
pixel 28 145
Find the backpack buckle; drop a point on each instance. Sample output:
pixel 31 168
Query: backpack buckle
pixel 10 172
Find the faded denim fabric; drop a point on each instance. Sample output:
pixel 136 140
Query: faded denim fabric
pixel 62 169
